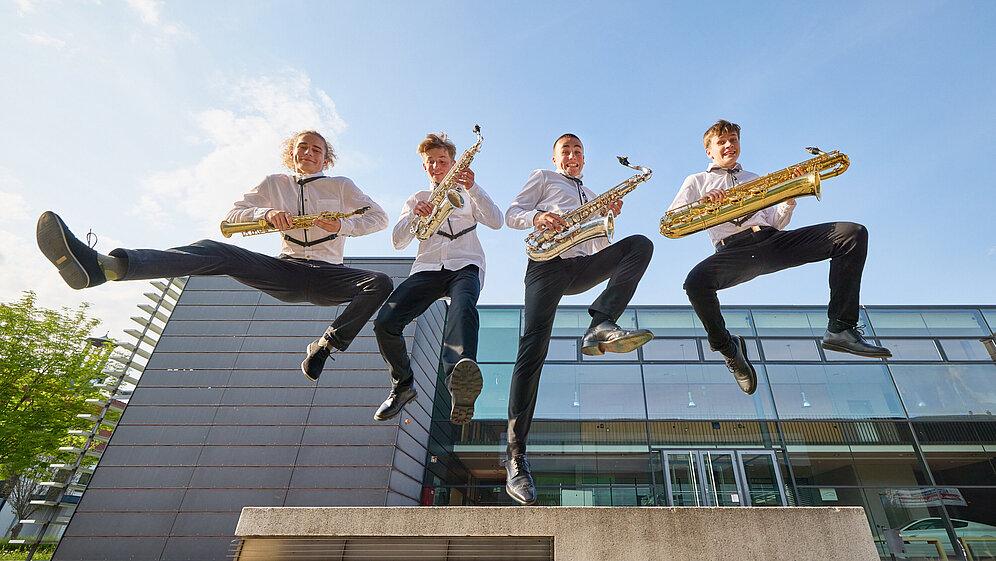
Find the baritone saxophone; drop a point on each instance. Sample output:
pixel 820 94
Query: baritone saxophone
pixel 797 180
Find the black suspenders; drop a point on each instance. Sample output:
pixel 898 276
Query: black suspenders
pixel 306 242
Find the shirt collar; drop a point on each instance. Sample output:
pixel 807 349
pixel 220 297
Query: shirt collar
pixel 736 168
pixel 298 177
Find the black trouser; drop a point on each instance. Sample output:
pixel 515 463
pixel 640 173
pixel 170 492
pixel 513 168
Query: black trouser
pixel 411 299
pixel 769 250
pixel 287 279
pixel 623 263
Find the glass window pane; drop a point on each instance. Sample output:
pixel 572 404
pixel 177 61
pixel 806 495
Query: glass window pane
pixel 562 349
pixel 990 316
pixel 848 391
pixel 969 349
pixel 702 391
pixel 804 323
pixel 950 323
pixel 947 389
pixel 670 323
pixel 590 391
pixel 686 350
pixel 912 349
pixel 493 401
pixel 499 335
pixel 738 322
pixel 574 322
pixel 711 355
pixel 790 349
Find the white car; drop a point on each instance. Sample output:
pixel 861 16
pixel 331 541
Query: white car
pixel 933 528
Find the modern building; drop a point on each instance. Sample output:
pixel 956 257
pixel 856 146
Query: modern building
pixel 222 419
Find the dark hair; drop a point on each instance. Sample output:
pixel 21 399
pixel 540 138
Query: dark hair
pixel 566 135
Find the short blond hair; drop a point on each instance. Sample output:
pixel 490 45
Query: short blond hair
pixel 437 140
pixel 291 143
pixel 720 127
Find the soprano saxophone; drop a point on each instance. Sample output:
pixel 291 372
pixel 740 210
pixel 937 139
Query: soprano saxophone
pixel 446 195
pixel 756 194
pixel 262 226
pixel 588 221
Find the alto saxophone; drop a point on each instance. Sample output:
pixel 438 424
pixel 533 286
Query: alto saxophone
pixel 446 195
pixel 543 245
pixel 263 226
pixel 756 194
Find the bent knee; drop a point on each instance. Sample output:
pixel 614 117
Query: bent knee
pixel 642 244
pixel 380 284
pixel 851 231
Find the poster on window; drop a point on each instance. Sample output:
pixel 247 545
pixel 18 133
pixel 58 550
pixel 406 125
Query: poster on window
pixel 927 496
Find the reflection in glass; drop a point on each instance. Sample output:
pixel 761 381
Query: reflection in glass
pixel 685 350
pixel 720 479
pixel 937 323
pixel 493 401
pixel 790 349
pixel 969 349
pixel 590 391
pixel 684 478
pixel 762 481
pixel 947 389
pixel 912 349
pixel 833 391
pixel 702 391
pixel 670 323
pixel 499 335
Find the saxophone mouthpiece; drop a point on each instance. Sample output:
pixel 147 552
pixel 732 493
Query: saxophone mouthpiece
pixel 624 160
pixel 814 150
pixel 477 129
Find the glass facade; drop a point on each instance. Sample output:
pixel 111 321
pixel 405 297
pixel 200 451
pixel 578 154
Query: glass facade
pixel 667 425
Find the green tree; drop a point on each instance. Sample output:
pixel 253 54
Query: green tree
pixel 48 369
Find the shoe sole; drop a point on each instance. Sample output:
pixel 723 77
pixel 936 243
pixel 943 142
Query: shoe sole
pixel 407 401
pixel 518 500
pixel 51 237
pixel 839 349
pixel 623 344
pixel 466 384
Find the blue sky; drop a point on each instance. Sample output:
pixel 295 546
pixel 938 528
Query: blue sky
pixel 144 120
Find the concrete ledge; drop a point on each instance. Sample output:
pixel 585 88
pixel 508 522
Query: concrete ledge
pixel 598 533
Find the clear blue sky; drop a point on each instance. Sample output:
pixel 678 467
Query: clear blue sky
pixel 144 120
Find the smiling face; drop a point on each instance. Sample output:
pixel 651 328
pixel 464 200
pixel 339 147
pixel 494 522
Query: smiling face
pixel 724 149
pixel 436 162
pixel 568 156
pixel 309 154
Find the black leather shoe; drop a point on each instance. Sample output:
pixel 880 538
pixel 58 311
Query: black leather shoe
pixel 518 481
pixel 853 341
pixel 318 352
pixel 607 337
pixel 465 383
pixel 743 371
pixel 394 403
pixel 76 261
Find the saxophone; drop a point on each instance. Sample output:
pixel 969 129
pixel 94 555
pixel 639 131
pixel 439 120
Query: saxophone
pixel 446 195
pixel 582 222
pixel 756 194
pixel 262 226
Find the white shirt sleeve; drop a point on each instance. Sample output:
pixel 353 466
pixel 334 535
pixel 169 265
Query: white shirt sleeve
pixel 373 220
pixel 402 235
pixel 521 212
pixel 688 193
pixel 254 204
pixel 781 215
pixel 485 210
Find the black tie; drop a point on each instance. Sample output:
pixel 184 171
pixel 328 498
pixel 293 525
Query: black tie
pixel 577 183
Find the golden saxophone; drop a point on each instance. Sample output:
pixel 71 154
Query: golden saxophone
pixel 582 222
pixel 262 226
pixel 756 194
pixel 446 195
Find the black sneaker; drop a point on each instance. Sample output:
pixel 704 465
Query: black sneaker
pixel 853 341
pixel 518 481
pixel 465 384
pixel 394 403
pixel 743 371
pixel 609 337
pixel 76 261
pixel 318 352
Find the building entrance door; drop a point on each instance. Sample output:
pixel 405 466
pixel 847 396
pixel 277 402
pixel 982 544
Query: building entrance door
pixel 722 478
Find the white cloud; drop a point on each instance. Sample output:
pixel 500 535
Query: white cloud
pixel 25 7
pixel 151 14
pixel 243 140
pixel 44 40
pixel 23 267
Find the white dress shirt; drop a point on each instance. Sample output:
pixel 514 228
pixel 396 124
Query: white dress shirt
pixel 549 191
pixel 697 185
pixel 336 194
pixel 439 252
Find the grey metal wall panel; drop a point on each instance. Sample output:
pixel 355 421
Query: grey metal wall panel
pixel 223 418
